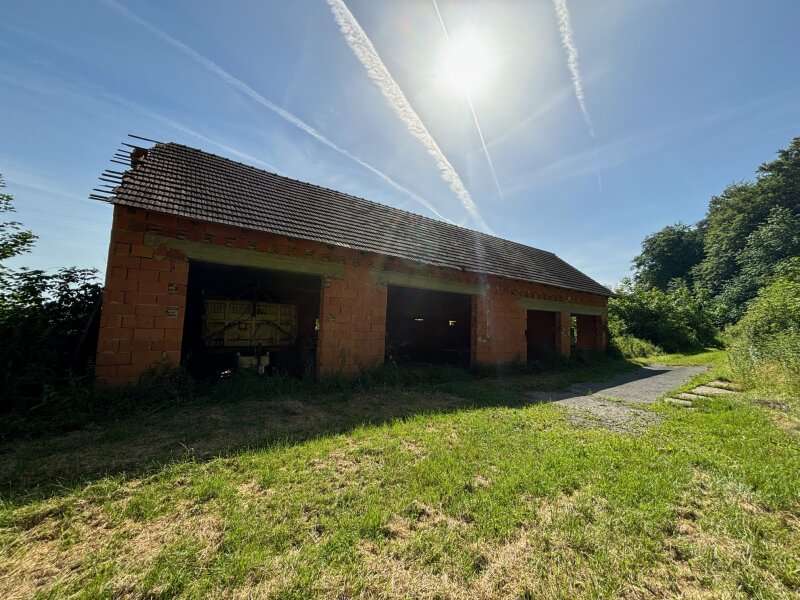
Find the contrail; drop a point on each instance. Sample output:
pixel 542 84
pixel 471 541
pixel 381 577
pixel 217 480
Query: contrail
pixel 245 89
pixel 472 110
pixel 362 47
pixel 564 27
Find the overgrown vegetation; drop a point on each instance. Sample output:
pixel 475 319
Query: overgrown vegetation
pixel 765 343
pixel 692 283
pixel 46 324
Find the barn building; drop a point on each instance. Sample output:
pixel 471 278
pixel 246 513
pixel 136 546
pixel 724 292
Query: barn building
pixel 215 264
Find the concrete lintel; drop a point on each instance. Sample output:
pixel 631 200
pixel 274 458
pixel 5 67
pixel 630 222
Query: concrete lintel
pixel 568 307
pixel 426 282
pixel 241 257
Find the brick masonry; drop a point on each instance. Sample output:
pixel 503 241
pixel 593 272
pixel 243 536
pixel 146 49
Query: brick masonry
pixel 144 299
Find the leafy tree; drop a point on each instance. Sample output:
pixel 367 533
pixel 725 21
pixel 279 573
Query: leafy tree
pixel 14 239
pixel 776 239
pixel 736 214
pixel 669 254
pixel 45 321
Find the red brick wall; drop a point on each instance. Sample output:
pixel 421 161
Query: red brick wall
pixel 143 303
pixel 145 298
pixel 352 323
pixel 498 328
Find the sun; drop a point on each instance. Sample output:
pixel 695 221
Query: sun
pixel 466 63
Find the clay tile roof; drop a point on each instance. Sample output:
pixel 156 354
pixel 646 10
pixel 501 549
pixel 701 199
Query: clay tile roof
pixel 191 183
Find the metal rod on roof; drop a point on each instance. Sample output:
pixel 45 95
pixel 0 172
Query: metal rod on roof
pixel 114 181
pixel 98 197
pixel 102 191
pixel 119 162
pixel 138 137
pixel 132 146
pixel 115 172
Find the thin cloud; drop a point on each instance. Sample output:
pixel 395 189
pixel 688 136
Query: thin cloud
pixel 472 110
pixel 245 89
pixel 565 29
pixel 362 47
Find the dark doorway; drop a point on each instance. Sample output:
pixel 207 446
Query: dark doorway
pixel 542 331
pixel 238 317
pixel 588 334
pixel 425 326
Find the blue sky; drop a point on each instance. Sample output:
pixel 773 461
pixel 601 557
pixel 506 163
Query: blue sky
pixel 683 98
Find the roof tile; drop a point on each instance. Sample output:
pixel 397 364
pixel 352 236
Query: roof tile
pixel 180 180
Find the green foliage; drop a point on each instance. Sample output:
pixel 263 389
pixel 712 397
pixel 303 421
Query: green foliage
pixel 728 256
pixel 13 239
pixel 629 346
pixel 669 254
pixel 765 344
pixel 45 321
pixel 675 319
pixel 749 228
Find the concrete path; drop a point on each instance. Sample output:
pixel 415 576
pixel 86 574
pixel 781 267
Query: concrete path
pixel 608 404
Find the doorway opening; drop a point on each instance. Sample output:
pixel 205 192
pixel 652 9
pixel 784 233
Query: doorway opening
pixel 256 319
pixel 426 326
pixel 542 334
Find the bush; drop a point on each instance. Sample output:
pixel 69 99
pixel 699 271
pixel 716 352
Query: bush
pixel 629 346
pixel 48 331
pixel 765 343
pixel 675 320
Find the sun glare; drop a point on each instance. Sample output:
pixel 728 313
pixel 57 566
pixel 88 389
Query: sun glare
pixel 466 63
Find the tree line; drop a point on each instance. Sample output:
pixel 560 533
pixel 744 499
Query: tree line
pixel 707 283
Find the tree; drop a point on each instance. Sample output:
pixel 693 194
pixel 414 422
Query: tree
pixel 14 239
pixel 775 240
pixel 738 212
pixel 45 318
pixel 669 254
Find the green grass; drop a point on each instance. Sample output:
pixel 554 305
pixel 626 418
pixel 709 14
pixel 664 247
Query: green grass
pixel 454 489
pixel 713 357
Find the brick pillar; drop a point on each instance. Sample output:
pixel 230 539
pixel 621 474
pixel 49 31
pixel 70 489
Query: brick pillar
pixel 498 329
pixel 352 334
pixel 144 301
pixel 564 319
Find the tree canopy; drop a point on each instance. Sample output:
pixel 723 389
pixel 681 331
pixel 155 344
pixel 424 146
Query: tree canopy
pixel 733 251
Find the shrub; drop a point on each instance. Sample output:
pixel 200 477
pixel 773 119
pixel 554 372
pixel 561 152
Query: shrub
pixel 765 343
pixel 675 320
pixel 633 347
pixel 48 331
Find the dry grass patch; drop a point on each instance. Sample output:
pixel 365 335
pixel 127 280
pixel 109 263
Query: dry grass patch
pixel 62 552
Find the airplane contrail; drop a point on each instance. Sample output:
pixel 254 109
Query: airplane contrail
pixel 565 29
pixel 362 47
pixel 472 110
pixel 245 89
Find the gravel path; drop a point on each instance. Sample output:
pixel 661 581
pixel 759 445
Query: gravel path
pixel 608 404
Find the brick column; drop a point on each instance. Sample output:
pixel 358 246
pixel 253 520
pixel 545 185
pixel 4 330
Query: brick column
pixel 144 301
pixel 498 329
pixel 352 334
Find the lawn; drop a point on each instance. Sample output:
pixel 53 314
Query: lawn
pixel 458 489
